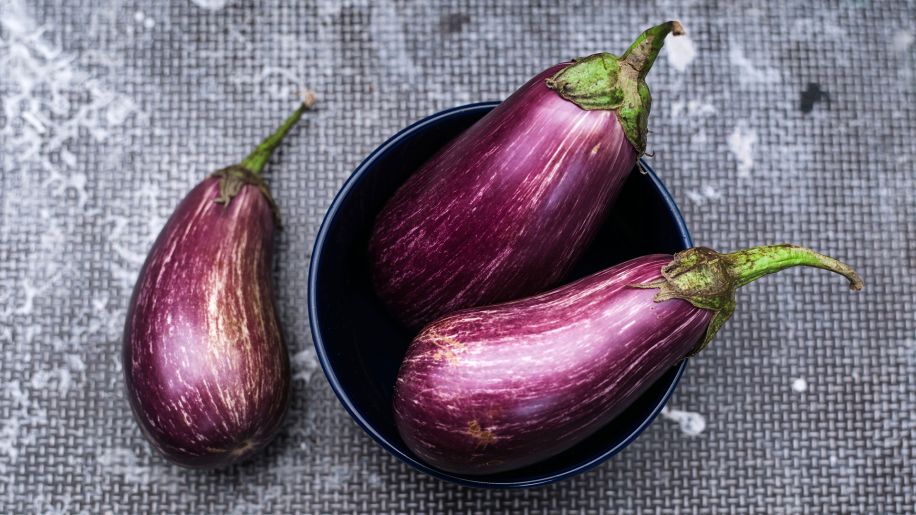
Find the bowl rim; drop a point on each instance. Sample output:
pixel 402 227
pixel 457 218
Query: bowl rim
pixel 352 409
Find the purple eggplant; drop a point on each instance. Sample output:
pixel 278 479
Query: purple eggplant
pixel 206 369
pixel 505 209
pixel 491 389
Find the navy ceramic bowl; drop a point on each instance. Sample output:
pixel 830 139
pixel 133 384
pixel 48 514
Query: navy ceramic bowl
pixel 360 346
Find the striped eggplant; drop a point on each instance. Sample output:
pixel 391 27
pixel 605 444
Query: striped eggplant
pixel 206 369
pixel 505 209
pixel 491 389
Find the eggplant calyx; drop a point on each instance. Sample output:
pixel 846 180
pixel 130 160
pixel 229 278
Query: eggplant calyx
pixel 233 178
pixel 708 279
pixel 605 81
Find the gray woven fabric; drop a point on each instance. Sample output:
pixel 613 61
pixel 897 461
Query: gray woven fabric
pixel 791 122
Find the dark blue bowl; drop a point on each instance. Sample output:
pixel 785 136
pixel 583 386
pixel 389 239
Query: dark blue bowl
pixel 360 346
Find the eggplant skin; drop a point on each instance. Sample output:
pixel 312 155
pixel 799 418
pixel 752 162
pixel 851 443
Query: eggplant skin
pixel 504 210
pixel 206 370
pixel 493 389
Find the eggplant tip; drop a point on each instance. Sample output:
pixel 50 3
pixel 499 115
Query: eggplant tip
pixel 856 283
pixel 677 29
pixel 308 98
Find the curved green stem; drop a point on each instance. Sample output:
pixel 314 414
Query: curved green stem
pixel 751 264
pixel 258 157
pixel 708 279
pixel 233 178
pixel 642 53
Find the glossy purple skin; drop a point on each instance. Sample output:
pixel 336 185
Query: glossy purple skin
pixel 504 210
pixel 206 369
pixel 497 388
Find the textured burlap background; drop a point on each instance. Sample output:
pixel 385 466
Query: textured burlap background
pixel 791 122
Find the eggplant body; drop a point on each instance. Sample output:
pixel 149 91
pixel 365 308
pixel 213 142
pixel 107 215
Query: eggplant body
pixel 504 210
pixel 493 389
pixel 205 365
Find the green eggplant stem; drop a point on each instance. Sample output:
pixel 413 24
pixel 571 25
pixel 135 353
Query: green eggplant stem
pixel 708 279
pixel 642 53
pixel 258 157
pixel 607 82
pixel 751 264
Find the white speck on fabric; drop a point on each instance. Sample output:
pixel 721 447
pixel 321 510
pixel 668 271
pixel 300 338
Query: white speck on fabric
pixel 690 423
pixel 705 194
pixel 741 144
pixel 212 5
pixel 902 41
pixel 751 72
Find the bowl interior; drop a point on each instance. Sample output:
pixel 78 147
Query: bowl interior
pixel 360 346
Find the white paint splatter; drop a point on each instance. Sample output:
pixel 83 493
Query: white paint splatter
pixel 800 385
pixel 52 504
pixel 23 417
pixel 130 245
pixel 60 377
pixel 338 478
pixel 681 52
pixel 691 108
pixel 262 498
pixel 902 41
pixel 74 181
pixel 276 82
pixel 304 363
pixel 827 27
pixel 124 463
pixel 212 5
pixel 147 22
pixel 700 139
pixel 29 293
pixel 386 30
pixel 705 194
pixel 374 480
pixel 741 144
pixel 691 423
pixel 77 102
pixel 749 73
pixel 52 102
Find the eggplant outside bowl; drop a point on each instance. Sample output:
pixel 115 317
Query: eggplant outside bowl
pixel 360 345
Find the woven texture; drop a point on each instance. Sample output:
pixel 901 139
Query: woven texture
pixel 788 122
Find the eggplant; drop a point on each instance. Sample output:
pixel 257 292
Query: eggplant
pixel 206 371
pixel 497 388
pixel 506 209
